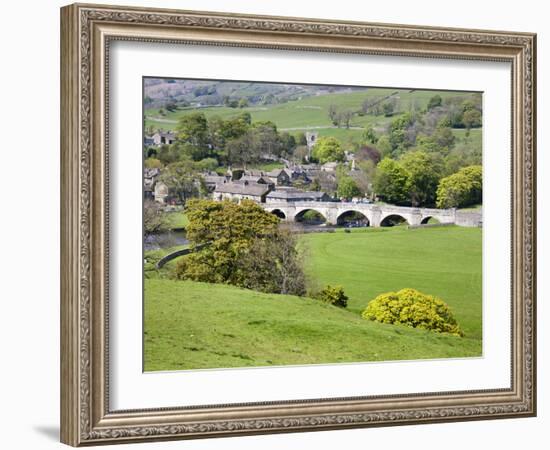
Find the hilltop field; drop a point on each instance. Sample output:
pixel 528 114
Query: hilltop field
pixel 190 325
pixel 310 113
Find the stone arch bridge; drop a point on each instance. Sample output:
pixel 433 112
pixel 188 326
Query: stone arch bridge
pixel 376 215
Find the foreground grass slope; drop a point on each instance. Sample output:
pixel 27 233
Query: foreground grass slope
pixel 192 325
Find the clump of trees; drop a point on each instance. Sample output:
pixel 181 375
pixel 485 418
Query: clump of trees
pixel 240 244
pixel 328 149
pixel 461 189
pixel 417 179
pixel 234 141
pixel 154 218
pixel 340 117
pixel 414 309
pixel 348 188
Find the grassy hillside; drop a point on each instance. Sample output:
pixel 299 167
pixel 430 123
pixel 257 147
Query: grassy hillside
pixel 196 325
pixel 310 113
pixel 192 325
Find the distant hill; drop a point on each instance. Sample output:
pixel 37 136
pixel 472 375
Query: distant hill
pixel 159 91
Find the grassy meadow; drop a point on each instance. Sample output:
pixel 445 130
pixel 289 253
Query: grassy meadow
pixel 311 113
pixel 191 325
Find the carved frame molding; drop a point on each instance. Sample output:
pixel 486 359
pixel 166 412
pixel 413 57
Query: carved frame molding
pixel 86 31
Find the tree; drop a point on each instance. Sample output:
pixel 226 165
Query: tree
pixel 274 265
pixel 154 219
pixel 471 118
pixel 388 108
pixel 333 114
pixel 423 174
pixel 328 149
pixel 229 231
pixel 344 118
pixel 193 129
pixel 398 137
pixel 461 189
pixel 168 154
pixel 153 163
pixel 369 135
pixel 243 103
pixel 171 106
pixel 390 182
pixel 347 188
pixel 384 145
pixel 180 179
pixel 368 152
pixel 434 102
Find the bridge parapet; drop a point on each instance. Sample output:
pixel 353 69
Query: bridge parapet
pixel 375 213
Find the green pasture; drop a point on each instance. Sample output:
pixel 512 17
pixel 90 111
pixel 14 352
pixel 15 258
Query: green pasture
pixel 191 325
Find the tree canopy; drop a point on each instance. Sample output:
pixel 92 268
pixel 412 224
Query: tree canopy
pixel 240 244
pixel 463 188
pixel 328 149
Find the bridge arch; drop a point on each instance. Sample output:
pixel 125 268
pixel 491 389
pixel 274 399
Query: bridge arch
pixel 429 219
pixel 279 213
pixel 393 219
pixel 352 216
pixel 311 216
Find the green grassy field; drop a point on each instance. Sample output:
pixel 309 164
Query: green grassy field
pixel 192 325
pixel 178 220
pixel 443 261
pixel 311 113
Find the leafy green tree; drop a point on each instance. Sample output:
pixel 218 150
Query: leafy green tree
pixel 193 129
pixel 328 149
pixel 206 164
pixel 461 189
pixel 434 102
pixel 181 180
pixel 243 103
pixel 390 182
pixel 274 264
pixel 229 230
pixel 168 154
pixel 423 174
pixel 370 136
pixel 153 163
pixel 348 188
pixel 398 137
pixel 471 118
pixel 388 108
pixel 384 145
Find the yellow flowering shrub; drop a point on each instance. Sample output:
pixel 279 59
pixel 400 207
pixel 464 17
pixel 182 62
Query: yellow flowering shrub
pixel 414 309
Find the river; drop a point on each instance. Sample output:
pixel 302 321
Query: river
pixel 166 239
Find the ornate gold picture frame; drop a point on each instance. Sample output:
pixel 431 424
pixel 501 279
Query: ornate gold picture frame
pixel 87 32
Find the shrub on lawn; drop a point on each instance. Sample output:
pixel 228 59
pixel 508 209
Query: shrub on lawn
pixel 414 309
pixel 333 295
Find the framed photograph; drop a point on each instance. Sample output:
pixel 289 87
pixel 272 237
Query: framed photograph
pixel 278 224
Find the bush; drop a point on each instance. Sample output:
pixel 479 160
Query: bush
pixel 414 309
pixel 333 295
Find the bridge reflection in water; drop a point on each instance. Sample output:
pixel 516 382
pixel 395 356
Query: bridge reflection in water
pixel 376 214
